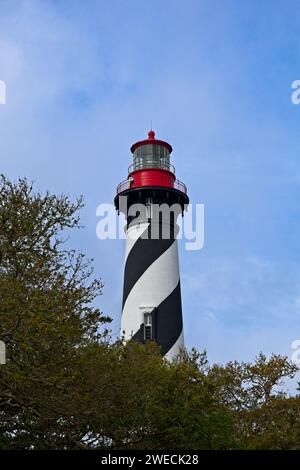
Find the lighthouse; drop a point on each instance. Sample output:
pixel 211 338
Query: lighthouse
pixel 152 199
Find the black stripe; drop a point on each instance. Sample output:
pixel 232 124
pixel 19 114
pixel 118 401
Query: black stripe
pixel 168 322
pixel 139 335
pixel 143 253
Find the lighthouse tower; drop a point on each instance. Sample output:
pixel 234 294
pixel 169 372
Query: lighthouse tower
pixel 151 295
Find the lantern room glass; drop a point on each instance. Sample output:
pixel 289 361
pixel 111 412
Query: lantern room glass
pixel 151 156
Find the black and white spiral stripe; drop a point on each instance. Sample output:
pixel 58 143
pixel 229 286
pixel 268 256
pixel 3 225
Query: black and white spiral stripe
pixel 152 283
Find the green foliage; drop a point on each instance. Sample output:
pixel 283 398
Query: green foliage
pixel 67 386
pixel 265 418
pixel 46 311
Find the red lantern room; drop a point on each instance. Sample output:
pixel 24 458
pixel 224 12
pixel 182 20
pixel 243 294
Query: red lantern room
pixel 152 171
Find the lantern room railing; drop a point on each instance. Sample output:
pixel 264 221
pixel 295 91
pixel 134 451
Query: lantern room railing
pixel 179 185
pixel 140 165
pixel 123 186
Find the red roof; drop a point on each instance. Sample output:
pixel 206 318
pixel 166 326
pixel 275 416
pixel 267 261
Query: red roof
pixel 151 140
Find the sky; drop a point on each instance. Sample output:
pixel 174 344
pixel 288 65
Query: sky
pixel 83 82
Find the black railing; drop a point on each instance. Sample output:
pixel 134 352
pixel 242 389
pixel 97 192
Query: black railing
pixel 179 185
pixel 123 186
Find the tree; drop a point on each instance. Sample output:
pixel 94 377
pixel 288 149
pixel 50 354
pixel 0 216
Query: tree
pixel 142 401
pixel 46 296
pixel 265 418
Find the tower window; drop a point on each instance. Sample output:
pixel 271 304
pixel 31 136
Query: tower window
pixel 148 327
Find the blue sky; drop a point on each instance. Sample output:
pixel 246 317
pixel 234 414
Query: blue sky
pixel 84 79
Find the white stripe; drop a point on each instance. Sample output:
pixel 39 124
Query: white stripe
pixel 175 349
pixel 132 235
pixel 154 286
